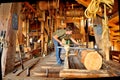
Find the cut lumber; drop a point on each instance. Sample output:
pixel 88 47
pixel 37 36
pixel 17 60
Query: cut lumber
pixel 47 73
pixel 51 67
pixel 77 73
pixel 91 60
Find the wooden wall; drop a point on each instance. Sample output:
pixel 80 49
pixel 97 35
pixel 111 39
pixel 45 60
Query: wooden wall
pixel 8 53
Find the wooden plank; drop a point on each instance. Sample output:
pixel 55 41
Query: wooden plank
pixel 51 67
pixel 30 7
pixel 114 18
pixel 84 2
pixel 48 62
pixel 9 46
pixel 47 73
pixel 27 65
pixel 79 48
pixel 113 67
pixel 77 73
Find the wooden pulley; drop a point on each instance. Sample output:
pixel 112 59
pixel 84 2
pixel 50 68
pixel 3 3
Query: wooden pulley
pixel 44 5
pixel 91 59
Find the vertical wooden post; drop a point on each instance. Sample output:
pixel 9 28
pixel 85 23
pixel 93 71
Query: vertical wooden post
pixel 4 53
pixel 27 32
pixel 42 37
pixel 82 30
pixel 46 36
pixel 46 44
pixel 51 27
pixel 8 54
pixel 105 36
pixel 87 34
pixel 20 34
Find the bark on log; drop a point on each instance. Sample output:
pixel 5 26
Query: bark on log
pixel 91 60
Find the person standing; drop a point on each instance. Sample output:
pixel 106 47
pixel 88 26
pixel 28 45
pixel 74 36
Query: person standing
pixel 58 35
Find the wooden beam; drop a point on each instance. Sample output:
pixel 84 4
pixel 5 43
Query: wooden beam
pixel 47 73
pixel 8 54
pixel 112 67
pixel 29 6
pixel 27 65
pixel 115 17
pixel 77 73
pixel 84 2
pixel 42 37
pixel 48 66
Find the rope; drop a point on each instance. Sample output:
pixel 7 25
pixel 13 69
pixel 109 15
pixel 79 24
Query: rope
pixel 91 12
pixel 94 6
pixel 105 34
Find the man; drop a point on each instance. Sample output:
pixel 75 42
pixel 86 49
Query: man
pixel 57 40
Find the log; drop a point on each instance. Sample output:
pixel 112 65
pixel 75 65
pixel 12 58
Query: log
pixel 91 59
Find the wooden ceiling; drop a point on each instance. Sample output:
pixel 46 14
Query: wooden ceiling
pixel 113 22
pixel 113 16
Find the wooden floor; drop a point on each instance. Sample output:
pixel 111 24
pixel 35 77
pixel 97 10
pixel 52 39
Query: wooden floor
pixel 45 68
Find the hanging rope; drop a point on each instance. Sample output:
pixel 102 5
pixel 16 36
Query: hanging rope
pixel 91 12
pixel 94 6
pixel 105 33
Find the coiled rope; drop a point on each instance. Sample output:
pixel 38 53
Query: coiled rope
pixel 94 6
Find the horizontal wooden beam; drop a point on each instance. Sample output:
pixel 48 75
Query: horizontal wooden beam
pixel 86 3
pixel 115 17
pixel 77 73
pixel 27 65
pixel 29 6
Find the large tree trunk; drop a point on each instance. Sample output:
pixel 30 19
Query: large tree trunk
pixel 91 60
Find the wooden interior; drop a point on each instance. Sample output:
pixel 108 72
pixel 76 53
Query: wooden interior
pixel 26 46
